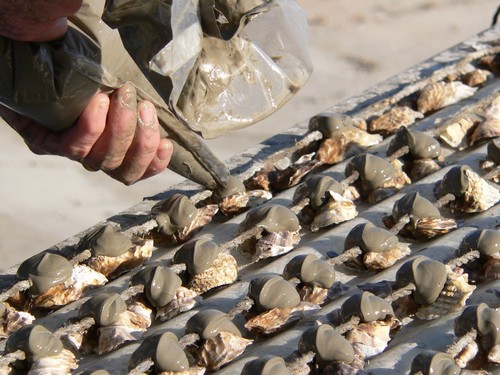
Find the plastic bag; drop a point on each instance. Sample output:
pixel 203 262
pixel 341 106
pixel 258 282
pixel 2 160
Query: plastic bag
pixel 231 63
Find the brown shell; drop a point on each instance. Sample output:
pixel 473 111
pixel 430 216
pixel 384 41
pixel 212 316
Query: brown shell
pixel 392 120
pixel 272 321
pixel 430 362
pixel 326 344
pixel 477 77
pixel 12 320
pixel 441 94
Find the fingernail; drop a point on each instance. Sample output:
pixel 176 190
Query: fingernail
pixel 103 106
pixel 127 96
pixel 164 150
pixel 147 114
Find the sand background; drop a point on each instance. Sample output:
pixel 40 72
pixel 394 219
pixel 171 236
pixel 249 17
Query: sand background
pixel 354 44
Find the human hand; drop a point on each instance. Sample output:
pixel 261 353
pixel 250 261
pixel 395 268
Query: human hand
pixel 114 134
pixel 36 20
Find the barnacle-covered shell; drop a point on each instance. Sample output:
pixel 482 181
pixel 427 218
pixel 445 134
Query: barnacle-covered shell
pixel 281 231
pixel 105 308
pixel 326 344
pixel 430 362
pixel 420 144
pixel 473 193
pixel 45 270
pixel 269 292
pixel 487 242
pixel 367 307
pixel 106 241
pixel 394 119
pixel 165 352
pixel 429 277
pixel 310 270
pixel 36 341
pixel 160 284
pixel 340 136
pixel 266 365
pixel 486 321
pixel 425 219
pixel 197 255
pixel 441 94
pixel 316 188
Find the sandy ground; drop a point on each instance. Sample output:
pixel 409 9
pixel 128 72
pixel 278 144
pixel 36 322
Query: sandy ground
pixel 353 43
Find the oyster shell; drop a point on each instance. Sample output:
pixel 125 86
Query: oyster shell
pixel 178 219
pixel 266 365
pixel 235 198
pixel 381 249
pixel 431 362
pixel 441 94
pixel 486 322
pixel 12 320
pixel 490 126
pixel 454 134
pixel 281 231
pixel 377 322
pixel 221 339
pixel 315 275
pixel 113 252
pixel 438 289
pixel 487 267
pixel 45 353
pixel 341 138
pixel 164 291
pixel 283 174
pixel 115 323
pixel 425 219
pixel 472 193
pixel 378 178
pixel 207 267
pixel 55 281
pixel 392 120
pixel 477 77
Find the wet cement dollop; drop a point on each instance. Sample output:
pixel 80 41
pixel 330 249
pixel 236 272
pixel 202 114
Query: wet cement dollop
pixel 485 320
pixel 106 241
pixel 486 241
pixel 197 255
pixel 373 170
pixel 370 238
pixel 310 270
pixel 209 323
pixel 416 206
pixel 267 365
pixel 430 363
pixel 367 307
pixel 105 308
pixel 269 292
pixel 160 284
pixel 273 218
pixel 36 341
pixel 420 144
pixel 327 344
pixel 176 213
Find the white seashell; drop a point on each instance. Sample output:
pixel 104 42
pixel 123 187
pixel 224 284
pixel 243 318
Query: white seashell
pixel 12 320
pixel 370 339
pixel 455 134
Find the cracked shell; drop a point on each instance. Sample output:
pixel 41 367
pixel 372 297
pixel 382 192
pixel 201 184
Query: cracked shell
pixel 392 120
pixel 472 193
pixel 441 94
pixel 430 362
